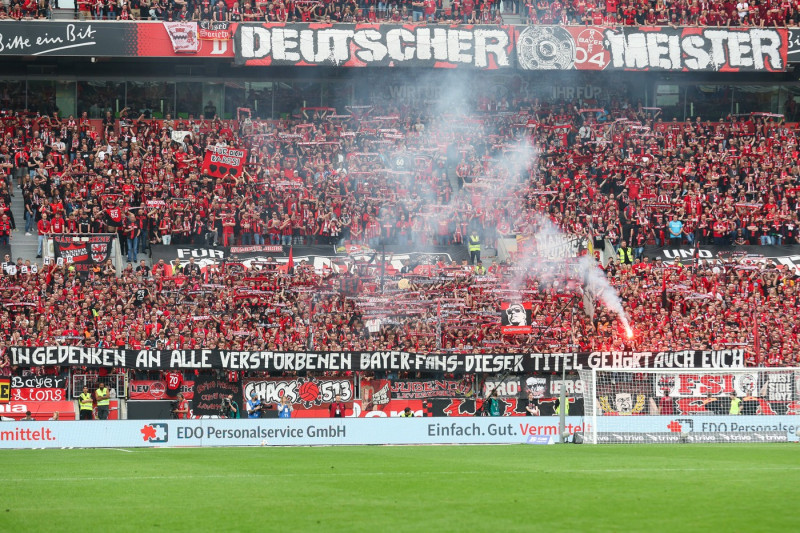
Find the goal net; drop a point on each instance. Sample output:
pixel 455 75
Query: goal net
pixel 664 406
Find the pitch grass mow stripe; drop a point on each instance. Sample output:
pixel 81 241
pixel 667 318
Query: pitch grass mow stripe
pixel 734 487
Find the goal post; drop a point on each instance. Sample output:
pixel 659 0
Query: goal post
pixel 691 405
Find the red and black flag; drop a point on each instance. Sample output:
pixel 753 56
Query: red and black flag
pixel 515 318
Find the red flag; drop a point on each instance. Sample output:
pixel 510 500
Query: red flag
pixel 290 264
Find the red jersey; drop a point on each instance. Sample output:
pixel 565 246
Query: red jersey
pixel 174 381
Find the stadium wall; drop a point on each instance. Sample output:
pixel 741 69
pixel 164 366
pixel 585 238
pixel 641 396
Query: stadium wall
pixel 397 431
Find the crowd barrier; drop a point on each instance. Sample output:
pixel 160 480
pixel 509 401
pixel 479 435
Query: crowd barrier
pixel 350 431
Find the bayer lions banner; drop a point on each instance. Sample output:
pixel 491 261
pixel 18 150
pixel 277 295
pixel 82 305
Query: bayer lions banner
pixel 383 361
pixel 659 48
pixel 366 45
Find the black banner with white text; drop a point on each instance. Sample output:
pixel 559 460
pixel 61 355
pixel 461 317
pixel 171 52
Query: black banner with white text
pixel 382 361
pixel 82 251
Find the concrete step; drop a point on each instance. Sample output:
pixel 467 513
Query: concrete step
pixel 22 245
pixel 63 13
pixel 510 19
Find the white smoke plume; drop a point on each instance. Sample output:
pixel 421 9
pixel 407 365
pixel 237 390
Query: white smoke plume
pixel 552 261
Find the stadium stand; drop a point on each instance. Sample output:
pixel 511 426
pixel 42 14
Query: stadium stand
pixel 611 173
pixel 580 12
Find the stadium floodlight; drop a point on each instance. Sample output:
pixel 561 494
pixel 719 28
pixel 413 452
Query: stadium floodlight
pixel 617 403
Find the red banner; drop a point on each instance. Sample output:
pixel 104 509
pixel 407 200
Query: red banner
pixel 140 389
pixel 535 47
pixel 44 410
pixel 28 394
pixel 221 161
pixel 431 388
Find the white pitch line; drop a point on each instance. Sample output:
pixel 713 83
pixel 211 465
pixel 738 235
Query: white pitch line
pixel 120 450
pixel 417 473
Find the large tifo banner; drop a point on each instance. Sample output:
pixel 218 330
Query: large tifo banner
pixel 353 431
pixel 660 48
pixel 388 361
pixel 364 45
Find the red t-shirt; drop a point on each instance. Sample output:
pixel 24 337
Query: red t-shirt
pixel 43 226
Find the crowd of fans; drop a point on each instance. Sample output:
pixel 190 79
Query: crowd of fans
pixel 756 13
pixel 601 171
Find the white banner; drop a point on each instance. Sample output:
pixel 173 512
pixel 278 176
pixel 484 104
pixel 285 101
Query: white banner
pixel 355 431
pixel 183 36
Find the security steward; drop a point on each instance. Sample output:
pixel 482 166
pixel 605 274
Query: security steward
pixel 558 407
pixel 736 405
pixel 85 401
pixel 101 395
pixel 625 254
pixel 474 247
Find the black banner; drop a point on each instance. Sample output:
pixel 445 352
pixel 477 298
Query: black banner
pixel 383 361
pixel 59 381
pixel 150 410
pixel 209 392
pixel 259 257
pixel 780 256
pixel 82 251
pixel 32 38
pixel 508 406
pixel 793 38
pixel 363 45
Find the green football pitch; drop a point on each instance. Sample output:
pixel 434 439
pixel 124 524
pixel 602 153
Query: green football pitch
pixel 409 488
